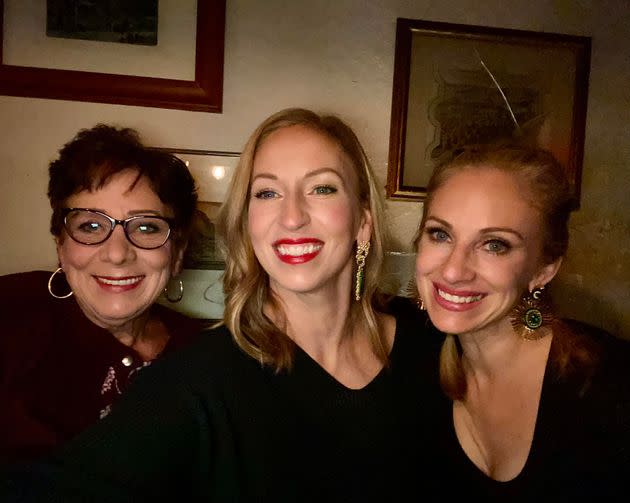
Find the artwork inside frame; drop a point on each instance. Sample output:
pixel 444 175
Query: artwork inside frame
pixel 451 84
pixel 130 22
pixel 212 171
pixel 202 93
pixel 203 265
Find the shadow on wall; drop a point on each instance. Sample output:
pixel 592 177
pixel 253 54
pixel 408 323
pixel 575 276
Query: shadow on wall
pixel 573 301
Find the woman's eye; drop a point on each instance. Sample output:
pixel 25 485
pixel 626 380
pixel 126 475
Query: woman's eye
pixel 437 235
pixel 147 229
pixel 497 246
pixel 89 227
pixel 265 194
pixel 324 190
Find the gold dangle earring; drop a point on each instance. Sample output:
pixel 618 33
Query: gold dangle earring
pixel 363 248
pixel 531 314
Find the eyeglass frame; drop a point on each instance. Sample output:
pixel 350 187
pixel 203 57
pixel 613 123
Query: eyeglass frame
pixel 114 222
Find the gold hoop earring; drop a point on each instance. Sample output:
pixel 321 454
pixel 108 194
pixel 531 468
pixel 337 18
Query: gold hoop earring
pixel 180 293
pixel 50 280
pixel 363 248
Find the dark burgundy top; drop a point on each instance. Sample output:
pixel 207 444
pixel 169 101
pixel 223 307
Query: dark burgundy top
pixel 59 373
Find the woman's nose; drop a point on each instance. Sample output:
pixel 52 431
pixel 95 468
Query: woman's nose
pixel 117 249
pixel 458 265
pixel 294 211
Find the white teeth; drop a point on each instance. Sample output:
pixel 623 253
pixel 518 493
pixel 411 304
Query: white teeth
pixel 120 282
pixel 458 299
pixel 298 250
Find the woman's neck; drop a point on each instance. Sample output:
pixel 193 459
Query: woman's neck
pixel 317 323
pixel 322 326
pixel 146 335
pixel 489 352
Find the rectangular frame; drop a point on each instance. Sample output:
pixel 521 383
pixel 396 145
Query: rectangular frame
pixel 212 171
pixel 202 268
pixel 203 94
pixel 439 75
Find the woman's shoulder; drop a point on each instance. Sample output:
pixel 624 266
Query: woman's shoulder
pixel 607 395
pixel 410 319
pixel 31 318
pixel 401 305
pixel 183 329
pixel 599 366
pixel 605 345
pixel 210 344
pixel 212 354
pixel 19 287
pixel 417 342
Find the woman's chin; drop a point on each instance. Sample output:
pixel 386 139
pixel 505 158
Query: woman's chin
pixel 451 323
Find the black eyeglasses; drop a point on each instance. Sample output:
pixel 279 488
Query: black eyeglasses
pixel 91 227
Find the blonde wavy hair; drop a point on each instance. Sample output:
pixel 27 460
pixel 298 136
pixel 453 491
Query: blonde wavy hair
pixel 246 284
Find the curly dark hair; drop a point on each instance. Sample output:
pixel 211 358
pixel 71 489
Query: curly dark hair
pixel 94 155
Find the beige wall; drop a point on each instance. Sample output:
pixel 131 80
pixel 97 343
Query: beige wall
pixel 338 56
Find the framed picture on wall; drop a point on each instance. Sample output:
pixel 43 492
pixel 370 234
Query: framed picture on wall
pixel 456 85
pixel 212 172
pixel 59 63
pixel 203 267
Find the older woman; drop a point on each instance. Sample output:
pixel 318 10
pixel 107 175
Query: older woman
pixel 535 407
pixel 309 391
pixel 72 340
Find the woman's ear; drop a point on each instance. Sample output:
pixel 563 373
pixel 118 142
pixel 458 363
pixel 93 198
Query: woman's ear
pixel 59 248
pixel 545 274
pixel 178 259
pixel 365 226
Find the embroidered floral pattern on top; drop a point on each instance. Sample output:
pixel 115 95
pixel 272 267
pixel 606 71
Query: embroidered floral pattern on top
pixel 115 383
pixel 109 380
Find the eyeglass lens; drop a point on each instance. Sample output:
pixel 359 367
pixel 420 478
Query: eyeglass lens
pixel 90 228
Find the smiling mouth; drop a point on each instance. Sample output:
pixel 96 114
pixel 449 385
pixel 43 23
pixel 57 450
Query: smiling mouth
pixel 459 299
pixel 286 250
pixel 119 282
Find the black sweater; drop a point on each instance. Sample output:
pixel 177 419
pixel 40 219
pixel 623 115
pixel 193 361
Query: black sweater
pixel 581 445
pixel 210 424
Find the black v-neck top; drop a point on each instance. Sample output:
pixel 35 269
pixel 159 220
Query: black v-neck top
pixel 210 424
pixel 581 445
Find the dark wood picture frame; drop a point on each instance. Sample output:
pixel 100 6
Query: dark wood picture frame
pixel 203 94
pixel 577 49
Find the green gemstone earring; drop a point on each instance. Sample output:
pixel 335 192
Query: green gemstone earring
pixel 532 313
pixel 363 248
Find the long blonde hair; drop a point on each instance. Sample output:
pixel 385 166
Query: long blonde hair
pixel 246 284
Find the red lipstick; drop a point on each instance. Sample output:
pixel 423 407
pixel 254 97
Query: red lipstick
pixel 456 300
pixel 297 251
